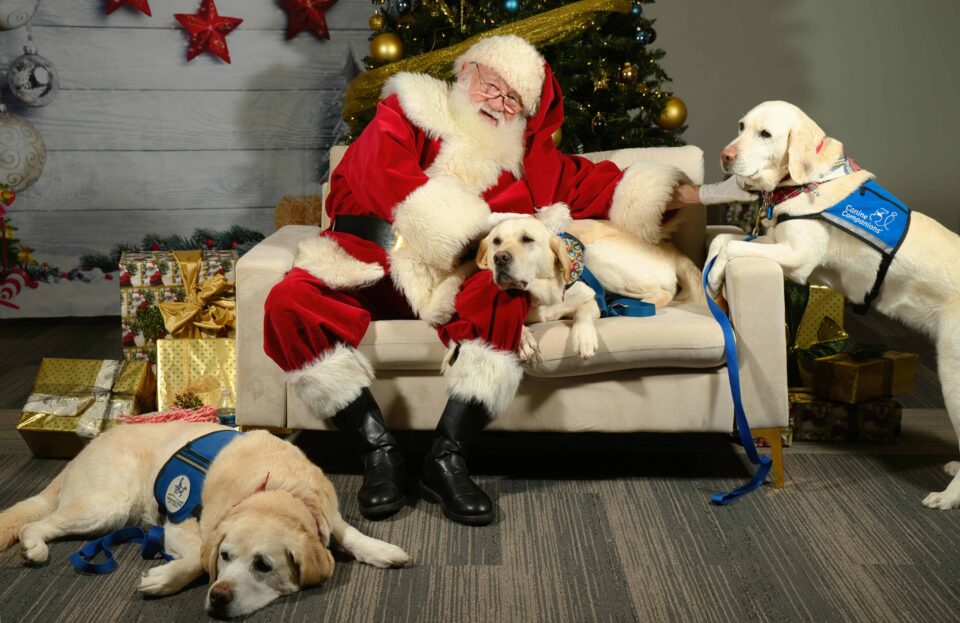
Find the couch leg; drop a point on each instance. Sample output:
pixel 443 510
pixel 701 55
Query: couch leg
pixel 773 437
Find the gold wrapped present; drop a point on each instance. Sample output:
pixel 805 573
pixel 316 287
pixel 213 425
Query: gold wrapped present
pixel 853 380
pixel 203 366
pixel 818 419
pixel 74 399
pixel 814 319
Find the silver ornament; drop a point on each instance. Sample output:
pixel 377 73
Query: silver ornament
pixel 32 78
pixel 16 13
pixel 22 152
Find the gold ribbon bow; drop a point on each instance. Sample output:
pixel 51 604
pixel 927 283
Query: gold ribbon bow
pixel 206 312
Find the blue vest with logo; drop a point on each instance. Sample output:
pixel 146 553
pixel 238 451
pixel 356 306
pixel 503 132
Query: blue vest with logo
pixel 179 484
pixel 874 216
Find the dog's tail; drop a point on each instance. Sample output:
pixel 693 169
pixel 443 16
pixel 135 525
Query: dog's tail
pixel 689 277
pixel 27 511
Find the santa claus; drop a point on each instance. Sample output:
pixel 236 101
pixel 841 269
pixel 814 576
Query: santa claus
pixel 411 195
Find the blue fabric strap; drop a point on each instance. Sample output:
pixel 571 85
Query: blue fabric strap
pixel 152 546
pixel 733 374
pixel 621 306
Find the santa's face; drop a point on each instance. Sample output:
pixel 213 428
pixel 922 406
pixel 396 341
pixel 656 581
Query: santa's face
pixel 499 102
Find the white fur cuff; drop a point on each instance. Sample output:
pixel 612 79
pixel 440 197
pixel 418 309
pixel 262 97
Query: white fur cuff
pixel 484 374
pixel 326 260
pixel 642 196
pixel 332 381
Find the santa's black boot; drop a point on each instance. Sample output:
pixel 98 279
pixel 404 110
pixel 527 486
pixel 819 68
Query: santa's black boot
pixel 385 473
pixel 445 479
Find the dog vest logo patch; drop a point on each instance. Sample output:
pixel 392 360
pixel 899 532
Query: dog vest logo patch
pixel 178 492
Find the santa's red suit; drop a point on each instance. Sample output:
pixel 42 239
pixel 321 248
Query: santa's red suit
pixel 414 167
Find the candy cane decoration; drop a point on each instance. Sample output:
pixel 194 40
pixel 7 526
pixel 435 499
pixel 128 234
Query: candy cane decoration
pixel 11 286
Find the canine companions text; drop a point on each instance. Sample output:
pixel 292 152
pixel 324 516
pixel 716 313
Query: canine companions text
pixel 268 515
pixel 525 253
pixel 780 147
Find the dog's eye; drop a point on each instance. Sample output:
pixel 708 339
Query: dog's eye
pixel 225 556
pixel 741 126
pixel 496 241
pixel 764 134
pixel 526 239
pixel 260 564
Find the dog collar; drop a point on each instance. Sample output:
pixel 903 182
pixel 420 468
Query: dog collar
pixel 771 199
pixel 574 250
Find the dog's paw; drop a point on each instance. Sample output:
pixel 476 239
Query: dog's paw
pixel 164 580
pixel 585 341
pixel 385 556
pixel 952 468
pixel 528 345
pixel 34 550
pixel 942 500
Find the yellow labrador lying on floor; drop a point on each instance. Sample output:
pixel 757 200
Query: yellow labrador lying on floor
pixel 256 541
pixel 780 146
pixel 525 253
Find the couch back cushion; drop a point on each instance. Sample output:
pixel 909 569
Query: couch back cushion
pixel 689 159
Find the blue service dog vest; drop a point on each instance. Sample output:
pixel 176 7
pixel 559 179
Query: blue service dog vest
pixel 873 216
pixel 179 484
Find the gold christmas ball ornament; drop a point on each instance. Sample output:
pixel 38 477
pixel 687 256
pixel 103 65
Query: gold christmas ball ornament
pixel 386 48
pixel 557 136
pixel 406 21
pixel 673 115
pixel 628 73
pixel 376 22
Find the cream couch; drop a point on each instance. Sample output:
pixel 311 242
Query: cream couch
pixel 664 373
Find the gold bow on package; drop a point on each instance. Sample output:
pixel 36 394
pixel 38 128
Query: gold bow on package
pixel 204 367
pixel 74 399
pixel 209 309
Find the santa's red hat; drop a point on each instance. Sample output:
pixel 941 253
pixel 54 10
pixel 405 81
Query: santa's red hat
pixel 515 60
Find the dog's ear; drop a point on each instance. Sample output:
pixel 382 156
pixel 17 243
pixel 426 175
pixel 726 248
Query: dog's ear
pixel 481 257
pixel 563 258
pixel 803 156
pixel 210 554
pixel 312 564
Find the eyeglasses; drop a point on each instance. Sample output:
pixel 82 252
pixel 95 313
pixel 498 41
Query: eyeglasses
pixel 512 104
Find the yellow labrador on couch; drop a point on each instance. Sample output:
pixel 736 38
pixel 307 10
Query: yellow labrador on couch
pixel 526 253
pixel 779 147
pixel 268 515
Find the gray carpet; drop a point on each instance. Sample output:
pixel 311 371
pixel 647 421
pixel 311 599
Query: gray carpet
pixel 627 534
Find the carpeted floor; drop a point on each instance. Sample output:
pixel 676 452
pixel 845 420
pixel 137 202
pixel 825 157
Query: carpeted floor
pixel 621 531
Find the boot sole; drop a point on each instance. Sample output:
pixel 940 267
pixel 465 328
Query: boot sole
pixel 382 511
pixel 470 520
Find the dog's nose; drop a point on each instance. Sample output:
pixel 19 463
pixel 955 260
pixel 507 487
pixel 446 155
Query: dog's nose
pixel 728 155
pixel 502 258
pixel 220 596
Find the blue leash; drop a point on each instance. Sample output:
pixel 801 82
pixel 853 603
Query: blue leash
pixel 152 546
pixel 733 374
pixel 620 306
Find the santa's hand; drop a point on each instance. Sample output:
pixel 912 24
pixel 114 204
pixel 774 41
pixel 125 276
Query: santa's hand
pixel 727 191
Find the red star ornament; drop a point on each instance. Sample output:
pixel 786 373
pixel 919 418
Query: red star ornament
pixel 140 5
pixel 307 15
pixel 208 31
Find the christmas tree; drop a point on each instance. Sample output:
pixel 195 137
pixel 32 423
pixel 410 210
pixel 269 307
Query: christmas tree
pixel 600 51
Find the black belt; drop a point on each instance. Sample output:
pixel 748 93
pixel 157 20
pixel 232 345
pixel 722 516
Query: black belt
pixel 372 228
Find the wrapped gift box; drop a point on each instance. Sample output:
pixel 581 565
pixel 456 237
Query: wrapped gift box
pixel 74 399
pixel 815 321
pixel 855 380
pixel 203 366
pixel 152 280
pixel 817 419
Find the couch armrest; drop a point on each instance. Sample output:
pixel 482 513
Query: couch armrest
pixel 716 230
pixel 754 292
pixel 261 387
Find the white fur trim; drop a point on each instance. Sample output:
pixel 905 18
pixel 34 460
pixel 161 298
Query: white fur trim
pixel 642 196
pixel 332 381
pixel 517 62
pixel 484 374
pixel 326 260
pixel 425 101
pixel 556 217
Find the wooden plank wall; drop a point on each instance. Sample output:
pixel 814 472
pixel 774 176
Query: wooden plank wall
pixel 139 140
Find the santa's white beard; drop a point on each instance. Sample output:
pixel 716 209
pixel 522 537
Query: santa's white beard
pixel 503 141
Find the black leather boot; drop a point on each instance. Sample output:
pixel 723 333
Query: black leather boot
pixel 385 472
pixel 445 479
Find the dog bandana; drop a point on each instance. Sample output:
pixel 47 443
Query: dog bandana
pixel 609 306
pixel 873 216
pixel 179 484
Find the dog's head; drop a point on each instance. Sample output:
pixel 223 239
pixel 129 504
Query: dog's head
pixel 778 140
pixel 524 254
pixel 268 545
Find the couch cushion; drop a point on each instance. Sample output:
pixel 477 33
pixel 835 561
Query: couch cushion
pixel 680 336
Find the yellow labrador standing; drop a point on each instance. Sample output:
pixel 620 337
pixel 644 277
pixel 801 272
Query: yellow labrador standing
pixel 525 253
pixel 268 515
pixel 778 146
